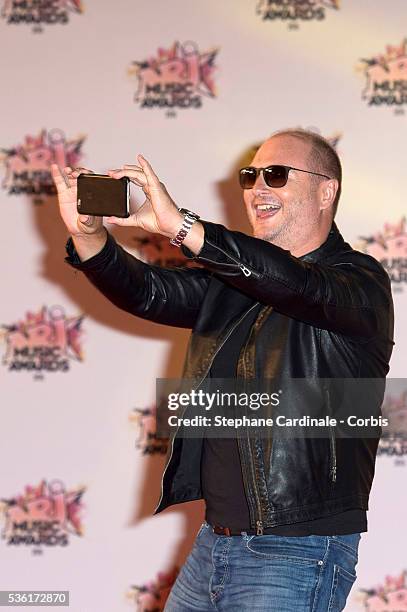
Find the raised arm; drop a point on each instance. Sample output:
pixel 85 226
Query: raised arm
pixel 168 296
pixel 172 297
pixel 346 292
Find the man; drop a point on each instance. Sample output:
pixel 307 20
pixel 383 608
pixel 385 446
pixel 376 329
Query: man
pixel 284 516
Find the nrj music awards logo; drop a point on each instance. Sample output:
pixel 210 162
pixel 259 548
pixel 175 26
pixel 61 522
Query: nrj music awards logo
pixel 389 246
pixel 46 341
pixel 389 597
pixel 295 10
pixel 151 596
pixel 393 442
pixel 39 12
pixel 147 441
pixel 176 78
pixel 386 77
pixel 27 165
pixel 46 515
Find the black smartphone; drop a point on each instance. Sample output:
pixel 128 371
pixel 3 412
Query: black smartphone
pixel 103 196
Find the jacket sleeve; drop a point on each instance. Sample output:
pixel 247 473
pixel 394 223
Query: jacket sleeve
pixel 168 296
pixel 352 298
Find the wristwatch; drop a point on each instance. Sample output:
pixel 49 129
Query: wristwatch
pixel 189 219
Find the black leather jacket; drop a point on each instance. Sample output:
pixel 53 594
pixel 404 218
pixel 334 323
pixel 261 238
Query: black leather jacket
pixel 327 314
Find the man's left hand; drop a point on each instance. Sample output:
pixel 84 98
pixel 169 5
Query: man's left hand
pixel 158 214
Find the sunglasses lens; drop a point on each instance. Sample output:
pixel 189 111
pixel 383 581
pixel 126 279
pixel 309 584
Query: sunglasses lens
pixel 247 177
pixel 275 176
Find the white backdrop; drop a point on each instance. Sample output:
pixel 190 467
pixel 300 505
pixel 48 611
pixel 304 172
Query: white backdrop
pixel 82 426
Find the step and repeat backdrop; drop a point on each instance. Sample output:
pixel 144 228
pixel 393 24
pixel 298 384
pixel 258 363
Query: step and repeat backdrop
pixel 194 86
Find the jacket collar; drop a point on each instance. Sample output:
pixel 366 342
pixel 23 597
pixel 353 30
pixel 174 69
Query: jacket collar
pixel 332 244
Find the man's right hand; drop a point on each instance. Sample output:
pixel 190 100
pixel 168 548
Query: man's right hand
pixel 87 231
pixel 67 197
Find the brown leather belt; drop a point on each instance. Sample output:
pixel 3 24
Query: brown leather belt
pixel 219 530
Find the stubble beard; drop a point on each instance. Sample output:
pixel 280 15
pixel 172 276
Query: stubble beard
pixel 293 230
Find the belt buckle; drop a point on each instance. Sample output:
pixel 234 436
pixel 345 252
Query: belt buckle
pixel 219 530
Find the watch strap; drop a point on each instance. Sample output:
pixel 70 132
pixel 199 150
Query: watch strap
pixel 188 221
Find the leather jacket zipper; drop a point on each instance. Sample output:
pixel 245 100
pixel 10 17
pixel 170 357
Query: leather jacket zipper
pixel 259 520
pixel 332 443
pixel 200 382
pixel 246 271
pixel 333 454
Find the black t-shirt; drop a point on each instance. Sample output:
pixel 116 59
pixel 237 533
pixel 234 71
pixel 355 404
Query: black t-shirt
pixel 221 473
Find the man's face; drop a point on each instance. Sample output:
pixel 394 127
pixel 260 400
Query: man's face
pixel 296 209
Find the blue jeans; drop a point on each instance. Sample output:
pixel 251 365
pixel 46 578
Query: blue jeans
pixel 266 572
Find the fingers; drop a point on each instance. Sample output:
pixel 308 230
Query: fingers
pixel 142 175
pixel 123 221
pixel 152 178
pixel 136 176
pixel 56 172
pixel 135 171
pixel 133 166
pixel 66 177
pixel 86 219
pixel 127 166
pixel 59 178
pixel 79 170
pixel 130 171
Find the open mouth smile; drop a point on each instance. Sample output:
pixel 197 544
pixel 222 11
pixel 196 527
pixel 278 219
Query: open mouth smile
pixel 264 211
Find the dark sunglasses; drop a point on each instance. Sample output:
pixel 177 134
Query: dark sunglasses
pixel 274 176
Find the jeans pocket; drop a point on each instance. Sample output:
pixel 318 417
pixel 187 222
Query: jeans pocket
pixel 279 548
pixel 341 585
pixel 348 542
